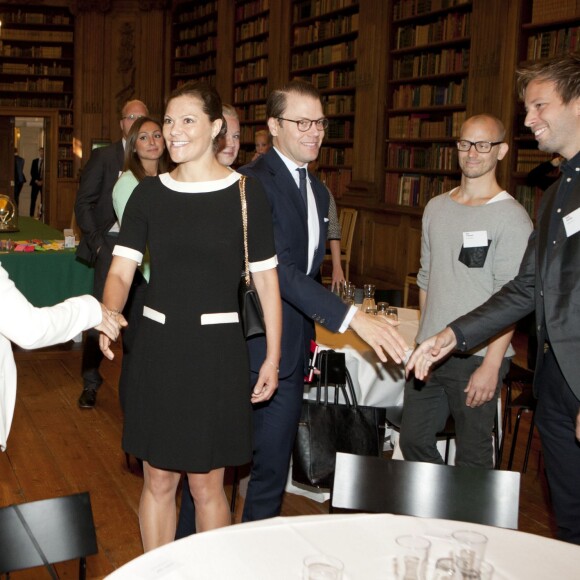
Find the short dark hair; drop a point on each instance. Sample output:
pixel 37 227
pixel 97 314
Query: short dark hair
pixel 277 100
pixel 564 71
pixel 211 103
pixel 132 160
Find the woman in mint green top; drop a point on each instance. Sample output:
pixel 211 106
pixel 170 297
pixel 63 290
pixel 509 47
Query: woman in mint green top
pixel 145 155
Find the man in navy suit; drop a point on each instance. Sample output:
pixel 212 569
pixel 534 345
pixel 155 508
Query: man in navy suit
pixel 96 218
pixel 300 213
pixel 549 283
pixel 36 180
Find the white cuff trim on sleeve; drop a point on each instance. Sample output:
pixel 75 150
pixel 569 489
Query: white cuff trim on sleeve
pixel 124 252
pixel 268 264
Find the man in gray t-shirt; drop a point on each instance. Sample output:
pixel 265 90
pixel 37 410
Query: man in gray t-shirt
pixel 473 240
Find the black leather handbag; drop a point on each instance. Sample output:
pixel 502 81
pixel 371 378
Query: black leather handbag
pixel 251 313
pixel 327 426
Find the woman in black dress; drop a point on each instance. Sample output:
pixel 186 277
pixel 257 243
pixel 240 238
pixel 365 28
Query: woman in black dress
pixel 189 402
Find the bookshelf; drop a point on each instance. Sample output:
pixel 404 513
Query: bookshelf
pixel 427 89
pixel 251 70
pixel 548 29
pixel 194 42
pixel 323 51
pixel 36 71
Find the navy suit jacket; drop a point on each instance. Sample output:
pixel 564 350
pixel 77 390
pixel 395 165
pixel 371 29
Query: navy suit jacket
pixel 548 282
pixel 35 171
pixel 94 204
pixel 304 300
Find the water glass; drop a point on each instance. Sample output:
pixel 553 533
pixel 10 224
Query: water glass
pixel 392 313
pixel 469 551
pixel 412 557
pixel 382 308
pixel 321 567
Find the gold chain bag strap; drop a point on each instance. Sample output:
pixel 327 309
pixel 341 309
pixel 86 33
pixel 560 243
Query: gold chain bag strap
pixel 251 313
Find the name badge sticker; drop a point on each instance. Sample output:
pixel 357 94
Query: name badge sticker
pixel 475 239
pixel 572 222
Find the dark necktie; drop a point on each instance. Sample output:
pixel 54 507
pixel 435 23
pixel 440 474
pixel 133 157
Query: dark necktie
pixel 303 190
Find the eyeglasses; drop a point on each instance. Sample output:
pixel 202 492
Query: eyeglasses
pixel 132 117
pixel 480 146
pixel 305 124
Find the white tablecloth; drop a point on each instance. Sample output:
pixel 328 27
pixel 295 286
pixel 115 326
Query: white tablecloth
pixel 275 550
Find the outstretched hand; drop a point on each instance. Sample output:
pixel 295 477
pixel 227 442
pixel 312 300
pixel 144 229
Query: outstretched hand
pixel 110 328
pixel 429 351
pixel 381 334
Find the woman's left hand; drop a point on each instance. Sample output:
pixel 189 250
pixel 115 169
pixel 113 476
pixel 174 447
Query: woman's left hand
pixel 266 384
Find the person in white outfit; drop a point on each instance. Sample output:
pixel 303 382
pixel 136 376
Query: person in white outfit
pixel 30 327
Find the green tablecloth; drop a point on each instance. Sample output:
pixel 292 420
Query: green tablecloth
pixel 48 277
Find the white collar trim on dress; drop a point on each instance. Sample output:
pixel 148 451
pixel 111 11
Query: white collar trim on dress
pixel 199 186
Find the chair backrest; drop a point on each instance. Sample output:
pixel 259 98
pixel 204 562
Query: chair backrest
pixel 469 494
pixel 41 533
pixel 347 221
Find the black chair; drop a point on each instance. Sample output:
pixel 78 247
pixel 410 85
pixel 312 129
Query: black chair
pixel 469 494
pixel 41 533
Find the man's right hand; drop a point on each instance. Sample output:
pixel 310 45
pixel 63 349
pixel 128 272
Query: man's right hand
pixel 429 351
pixel 381 334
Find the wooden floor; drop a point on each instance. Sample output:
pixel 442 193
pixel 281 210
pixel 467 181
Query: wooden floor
pixel 56 449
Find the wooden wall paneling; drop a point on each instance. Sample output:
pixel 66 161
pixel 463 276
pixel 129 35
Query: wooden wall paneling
pixel 279 44
pixel 369 142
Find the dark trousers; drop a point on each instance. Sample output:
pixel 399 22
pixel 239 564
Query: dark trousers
pixel 34 191
pixel 17 190
pixel 556 419
pixel 275 427
pixel 427 406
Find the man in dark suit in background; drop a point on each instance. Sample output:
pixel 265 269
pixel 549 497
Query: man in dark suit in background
pixel 549 282
pixel 96 218
pixel 19 179
pixel 36 179
pixel 300 213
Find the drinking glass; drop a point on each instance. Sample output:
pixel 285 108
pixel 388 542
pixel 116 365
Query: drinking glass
pixel 392 313
pixel 382 308
pixel 321 567
pixel 469 551
pixel 412 557
pixel 369 306
pixel 349 291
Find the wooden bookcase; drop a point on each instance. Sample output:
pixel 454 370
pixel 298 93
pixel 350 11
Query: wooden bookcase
pixel 251 70
pixel 194 42
pixel 547 29
pixel 324 44
pixel 427 97
pixel 37 78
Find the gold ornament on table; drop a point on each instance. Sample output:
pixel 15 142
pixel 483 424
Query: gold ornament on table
pixel 8 215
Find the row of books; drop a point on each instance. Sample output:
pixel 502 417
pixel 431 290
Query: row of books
pixel 529 197
pixel 338 104
pixel 550 10
pixel 554 42
pixel 340 129
pixel 323 30
pixel 325 55
pixel 251 71
pixel 30 51
pixel 415 190
pixel 437 156
pixel 250 92
pixel 251 8
pixel 527 159
pixel 337 180
pixel 252 28
pixel 64 152
pixel 202 29
pixel 34 86
pixel 336 79
pixel 37 35
pixel 450 27
pixel 65 135
pixel 65 119
pixel 203 46
pixel 425 126
pixel 198 11
pixel 407 96
pixel 410 8
pixel 251 50
pixel 65 169
pixel 313 8
pixel 18 68
pixel 335 156
pixel 196 67
pixel 20 17
pixel 252 112
pixel 431 63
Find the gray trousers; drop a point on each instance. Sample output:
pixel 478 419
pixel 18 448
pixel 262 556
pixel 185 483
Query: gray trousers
pixel 427 406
